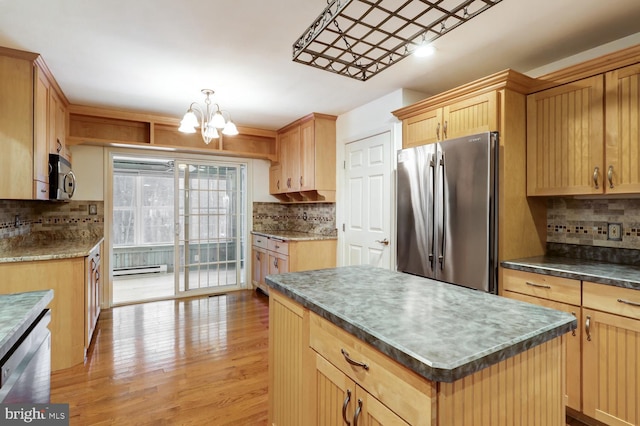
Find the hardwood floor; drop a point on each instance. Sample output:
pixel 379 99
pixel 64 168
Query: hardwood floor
pixel 199 361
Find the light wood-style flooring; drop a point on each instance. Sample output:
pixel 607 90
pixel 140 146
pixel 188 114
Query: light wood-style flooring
pixel 198 361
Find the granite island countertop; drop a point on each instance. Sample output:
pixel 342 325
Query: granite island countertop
pixel 441 331
pixel 614 274
pixel 49 249
pixel 17 313
pixel 294 236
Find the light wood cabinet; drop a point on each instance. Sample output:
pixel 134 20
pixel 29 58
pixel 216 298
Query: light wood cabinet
pixel 288 347
pixel 276 256
pixel 603 355
pixel 339 400
pixel 581 137
pixel 611 354
pixel 565 139
pixel 622 135
pixel 66 277
pixel 27 124
pixel 93 272
pixel 562 294
pixel 57 126
pixel 468 116
pixel 307 157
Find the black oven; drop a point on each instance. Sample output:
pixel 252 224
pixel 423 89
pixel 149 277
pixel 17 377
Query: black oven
pixel 62 181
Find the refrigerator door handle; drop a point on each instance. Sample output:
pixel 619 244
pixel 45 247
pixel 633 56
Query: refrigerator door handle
pixel 443 224
pixel 432 176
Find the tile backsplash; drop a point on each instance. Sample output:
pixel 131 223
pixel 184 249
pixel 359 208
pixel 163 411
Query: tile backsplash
pixel 313 218
pixel 50 219
pixel 585 221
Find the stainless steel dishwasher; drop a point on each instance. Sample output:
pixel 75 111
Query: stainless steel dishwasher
pixel 26 368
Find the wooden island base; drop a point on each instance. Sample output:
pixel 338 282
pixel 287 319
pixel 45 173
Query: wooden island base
pixel 311 382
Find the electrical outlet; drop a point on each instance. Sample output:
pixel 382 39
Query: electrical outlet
pixel 614 231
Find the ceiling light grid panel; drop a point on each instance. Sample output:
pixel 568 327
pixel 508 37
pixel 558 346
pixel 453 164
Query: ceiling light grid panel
pixel 360 38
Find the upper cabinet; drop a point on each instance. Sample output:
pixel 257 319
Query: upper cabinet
pixel 583 137
pixel 458 118
pixel 29 124
pixel 307 160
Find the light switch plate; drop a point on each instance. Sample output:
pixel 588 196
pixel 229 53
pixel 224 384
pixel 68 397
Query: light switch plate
pixel 614 231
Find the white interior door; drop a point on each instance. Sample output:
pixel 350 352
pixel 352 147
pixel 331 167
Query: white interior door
pixel 368 165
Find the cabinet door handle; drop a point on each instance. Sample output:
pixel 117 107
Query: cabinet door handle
pixel 629 302
pixel 258 257
pixel 344 407
pixel 300 180
pixel 587 328
pixel 438 131
pixel 58 145
pixel 573 333
pixel 610 176
pixel 537 285
pixel 444 130
pixel 275 262
pixel 357 414
pixel 351 361
pixel 278 184
pixel 277 247
pixel 596 171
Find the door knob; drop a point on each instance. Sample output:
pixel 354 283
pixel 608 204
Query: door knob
pixel 384 242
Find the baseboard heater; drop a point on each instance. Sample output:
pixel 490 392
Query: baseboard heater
pixel 138 270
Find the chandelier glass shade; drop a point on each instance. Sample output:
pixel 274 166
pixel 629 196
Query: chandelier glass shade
pixel 212 119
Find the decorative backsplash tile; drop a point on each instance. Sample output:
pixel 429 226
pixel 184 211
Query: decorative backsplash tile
pixel 585 222
pixel 22 219
pixel 313 218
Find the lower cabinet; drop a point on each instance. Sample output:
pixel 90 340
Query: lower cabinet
pixel 66 277
pixel 611 354
pixel 92 292
pixel 603 356
pixel 339 400
pixel 277 256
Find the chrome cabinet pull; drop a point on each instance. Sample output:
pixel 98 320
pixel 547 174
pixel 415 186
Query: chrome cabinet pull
pixel 346 356
pixel 357 414
pixel 573 333
pixel 537 285
pixel 344 407
pixel 629 302
pixel 587 328
pixel 610 176
pixel 596 171
pixel 438 132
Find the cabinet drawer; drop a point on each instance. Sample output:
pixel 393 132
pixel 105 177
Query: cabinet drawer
pixel 615 300
pixel 409 395
pixel 563 290
pixel 260 241
pixel 278 246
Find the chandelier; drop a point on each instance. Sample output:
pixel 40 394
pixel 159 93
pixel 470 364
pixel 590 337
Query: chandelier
pixel 211 117
pixel 360 38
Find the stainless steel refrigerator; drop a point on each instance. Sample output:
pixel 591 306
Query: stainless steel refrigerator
pixel 447 211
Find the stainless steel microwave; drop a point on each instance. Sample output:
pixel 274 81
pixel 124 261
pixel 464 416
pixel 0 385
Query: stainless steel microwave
pixel 62 181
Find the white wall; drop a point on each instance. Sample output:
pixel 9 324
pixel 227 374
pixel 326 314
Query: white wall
pixel 261 182
pixel 367 120
pixel 88 166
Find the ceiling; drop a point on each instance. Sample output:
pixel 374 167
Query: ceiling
pixel 155 55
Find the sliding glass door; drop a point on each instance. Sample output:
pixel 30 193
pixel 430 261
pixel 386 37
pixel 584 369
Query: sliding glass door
pixel 179 227
pixel 210 227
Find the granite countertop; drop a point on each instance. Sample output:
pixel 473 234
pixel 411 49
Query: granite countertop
pixel 17 313
pixel 619 275
pixel 294 236
pixel 49 249
pixel 441 331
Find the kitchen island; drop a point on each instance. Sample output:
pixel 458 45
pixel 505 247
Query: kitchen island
pixel 366 343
